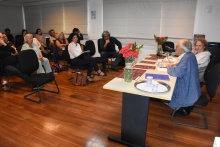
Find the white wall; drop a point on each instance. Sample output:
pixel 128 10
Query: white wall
pixel 62 17
pixel 208 23
pixel 141 19
pixel 11 17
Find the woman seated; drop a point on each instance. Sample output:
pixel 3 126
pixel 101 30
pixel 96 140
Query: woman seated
pixel 61 43
pixel 75 53
pixel 202 56
pixel 40 37
pixel 8 52
pixel 43 62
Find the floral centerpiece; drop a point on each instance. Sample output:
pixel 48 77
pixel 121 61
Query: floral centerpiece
pixel 130 53
pixel 160 41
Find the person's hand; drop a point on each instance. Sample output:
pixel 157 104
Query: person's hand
pixel 40 58
pixel 82 47
pixel 194 51
pixel 171 65
pixel 107 41
pixel 2 42
pixel 16 52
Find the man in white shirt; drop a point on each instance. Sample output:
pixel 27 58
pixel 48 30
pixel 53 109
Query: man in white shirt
pixel 202 56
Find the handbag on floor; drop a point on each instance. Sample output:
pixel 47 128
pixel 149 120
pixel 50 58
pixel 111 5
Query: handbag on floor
pixel 79 79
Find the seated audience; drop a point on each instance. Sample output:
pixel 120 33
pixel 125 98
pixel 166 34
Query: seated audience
pixel 52 37
pixel 80 37
pixel 187 89
pixel 5 38
pixel 52 45
pixel 9 35
pixel 19 39
pixel 75 52
pixel 60 43
pixel 37 43
pixel 8 53
pixel 40 37
pixel 43 62
pixel 107 46
pixel 202 56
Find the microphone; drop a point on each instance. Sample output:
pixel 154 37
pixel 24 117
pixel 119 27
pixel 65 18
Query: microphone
pixel 169 49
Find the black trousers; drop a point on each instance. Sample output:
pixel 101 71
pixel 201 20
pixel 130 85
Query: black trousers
pixel 78 61
pixel 106 55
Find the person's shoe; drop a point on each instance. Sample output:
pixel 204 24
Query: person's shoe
pixel 183 111
pixel 165 102
pixel 90 79
pixel 114 69
pixel 35 87
pixel 102 74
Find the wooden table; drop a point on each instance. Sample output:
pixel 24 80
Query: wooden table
pixel 135 106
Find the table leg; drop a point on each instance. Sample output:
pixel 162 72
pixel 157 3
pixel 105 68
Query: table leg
pixel 134 120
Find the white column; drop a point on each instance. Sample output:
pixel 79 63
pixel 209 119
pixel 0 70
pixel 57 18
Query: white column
pixel 95 20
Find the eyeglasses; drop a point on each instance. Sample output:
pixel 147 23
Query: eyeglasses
pixel 199 45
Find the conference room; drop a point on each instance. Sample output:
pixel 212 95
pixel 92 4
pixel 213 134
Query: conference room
pixel 51 109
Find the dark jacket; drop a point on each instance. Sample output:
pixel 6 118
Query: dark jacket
pixel 111 45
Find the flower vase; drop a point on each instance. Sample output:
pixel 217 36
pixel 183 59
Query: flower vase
pixel 159 49
pixel 128 72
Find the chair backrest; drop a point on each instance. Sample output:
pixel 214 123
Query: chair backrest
pixel 212 80
pixel 168 46
pixel 99 47
pixel 90 46
pixel 48 42
pixel 210 66
pixel 213 44
pixel 67 55
pixel 19 40
pixel 28 61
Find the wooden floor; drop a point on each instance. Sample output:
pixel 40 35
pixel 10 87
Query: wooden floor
pixel 85 116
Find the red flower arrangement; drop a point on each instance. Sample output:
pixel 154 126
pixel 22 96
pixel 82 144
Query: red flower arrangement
pixel 130 52
pixel 160 40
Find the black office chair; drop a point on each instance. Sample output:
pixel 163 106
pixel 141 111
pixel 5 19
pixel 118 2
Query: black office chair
pixel 28 64
pixel 210 66
pixel 168 46
pixel 19 41
pixel 214 49
pixel 205 123
pixel 91 47
pixel 212 83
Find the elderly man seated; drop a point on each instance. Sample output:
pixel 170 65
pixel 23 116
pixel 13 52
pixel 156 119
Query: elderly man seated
pixel 42 60
pixel 187 89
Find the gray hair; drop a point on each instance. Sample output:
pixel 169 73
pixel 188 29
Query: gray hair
pixel 104 33
pixel 186 45
pixel 26 36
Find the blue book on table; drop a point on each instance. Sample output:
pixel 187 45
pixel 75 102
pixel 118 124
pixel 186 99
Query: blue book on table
pixel 158 76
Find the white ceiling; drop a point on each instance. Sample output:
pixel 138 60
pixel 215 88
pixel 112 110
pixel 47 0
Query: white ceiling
pixel 30 2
